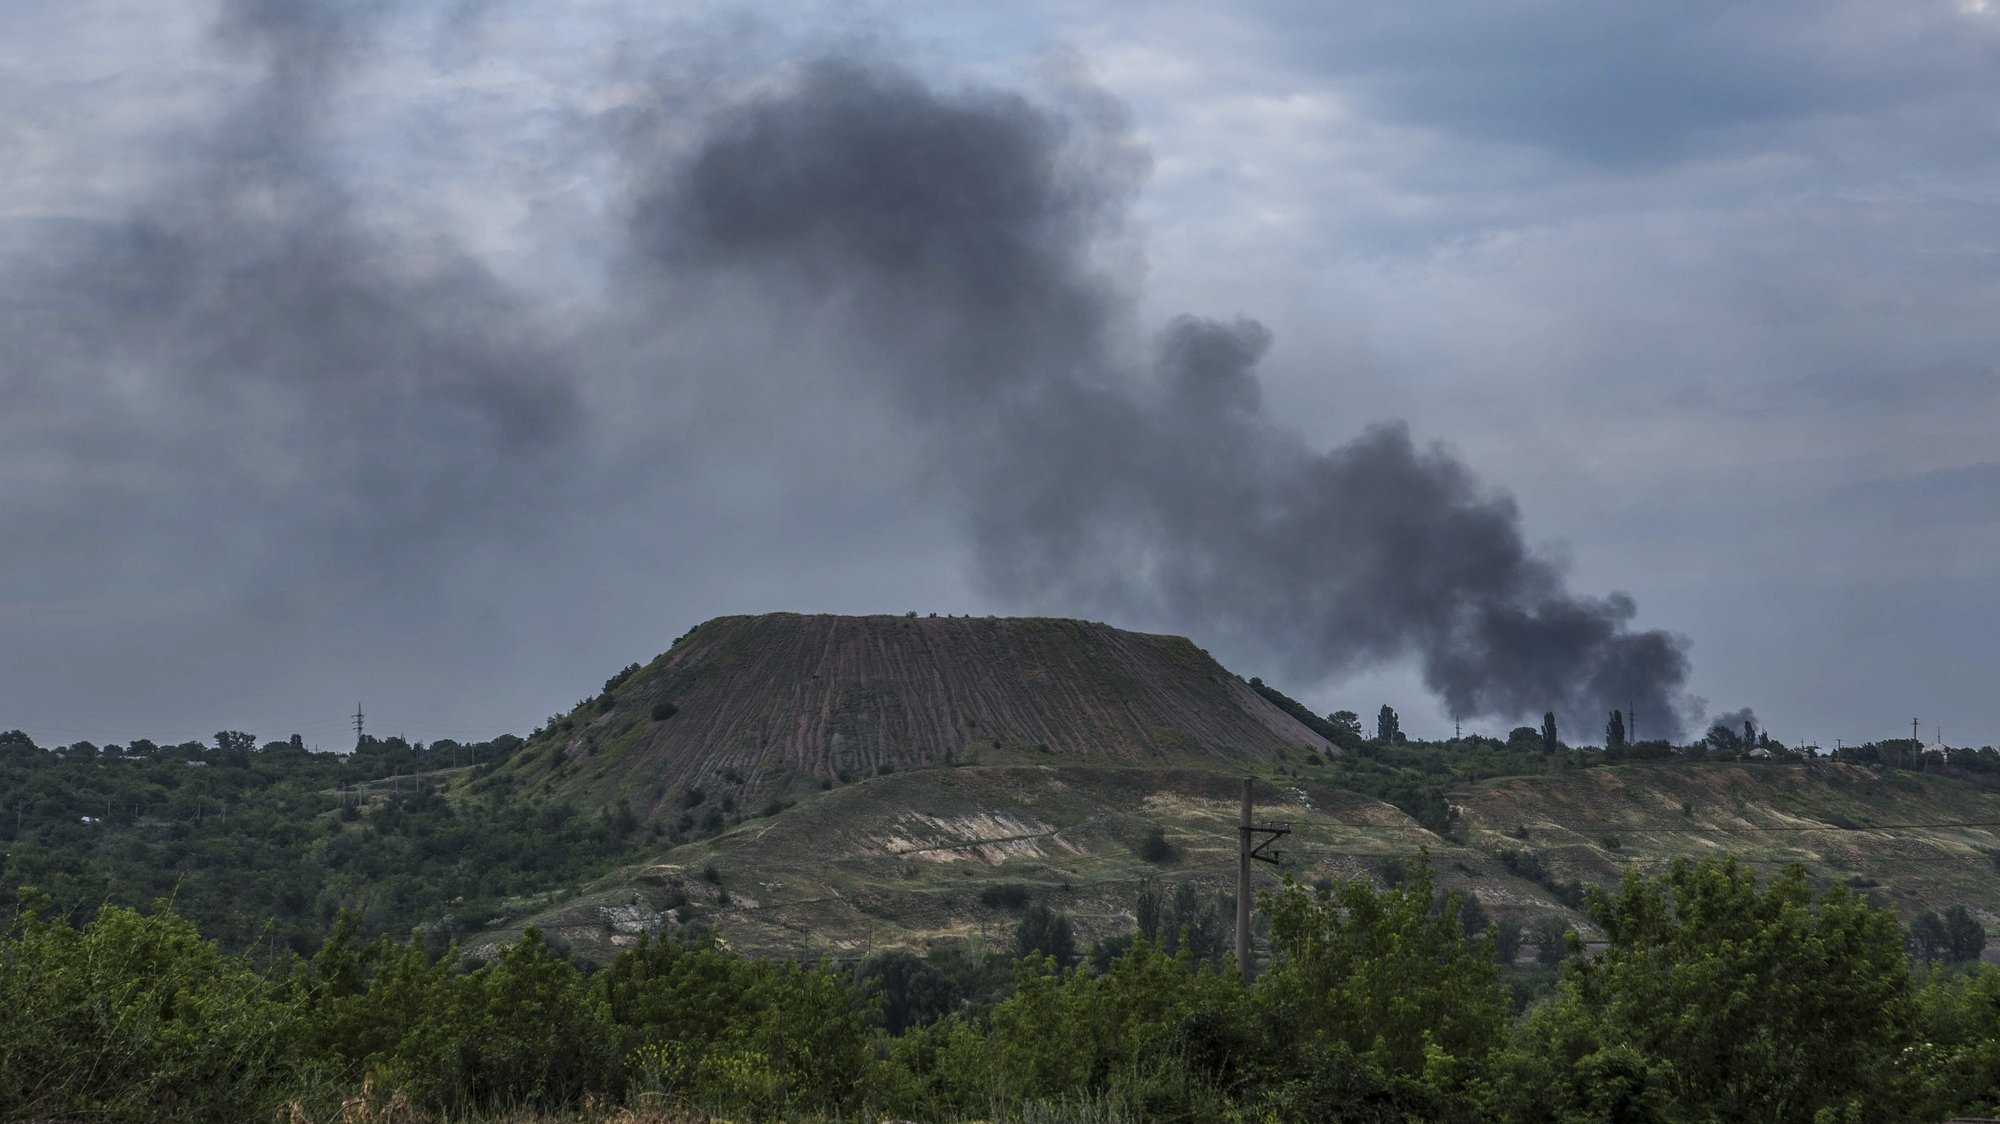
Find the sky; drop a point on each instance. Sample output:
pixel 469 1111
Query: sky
pixel 447 356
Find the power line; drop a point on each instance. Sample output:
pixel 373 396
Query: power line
pixel 1627 860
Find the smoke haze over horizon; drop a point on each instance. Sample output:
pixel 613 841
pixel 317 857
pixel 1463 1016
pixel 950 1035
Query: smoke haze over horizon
pixel 762 322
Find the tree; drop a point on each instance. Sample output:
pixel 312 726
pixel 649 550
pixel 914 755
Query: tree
pixel 1388 975
pixel 1188 921
pixel 1549 742
pixel 235 741
pixel 1614 730
pixel 1964 938
pixel 1551 936
pixel 1387 726
pixel 1737 1001
pixel 1346 722
pixel 1043 930
pixel 913 993
pixel 1927 937
pixel 1723 739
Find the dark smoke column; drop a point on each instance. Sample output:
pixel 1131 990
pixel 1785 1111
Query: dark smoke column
pixel 952 236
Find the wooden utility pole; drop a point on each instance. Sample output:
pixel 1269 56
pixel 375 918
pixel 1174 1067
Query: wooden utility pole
pixel 1243 885
pixel 1244 853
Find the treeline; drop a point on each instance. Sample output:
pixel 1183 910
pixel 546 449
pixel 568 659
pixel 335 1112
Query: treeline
pixel 1717 999
pixel 263 846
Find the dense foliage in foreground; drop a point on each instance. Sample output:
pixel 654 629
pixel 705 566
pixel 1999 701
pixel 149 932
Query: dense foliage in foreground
pixel 1717 999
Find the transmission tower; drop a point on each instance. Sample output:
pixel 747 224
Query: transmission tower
pixel 358 716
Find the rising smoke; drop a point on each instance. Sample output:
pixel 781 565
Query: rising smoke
pixel 246 351
pixel 957 233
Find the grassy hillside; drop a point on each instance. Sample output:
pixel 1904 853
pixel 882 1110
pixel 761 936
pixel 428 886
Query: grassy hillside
pixel 780 704
pixel 1913 839
pixel 918 857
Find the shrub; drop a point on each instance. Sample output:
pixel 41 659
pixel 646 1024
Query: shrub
pixel 664 710
pixel 1005 895
pixel 1154 846
pixel 133 1013
pixel 617 680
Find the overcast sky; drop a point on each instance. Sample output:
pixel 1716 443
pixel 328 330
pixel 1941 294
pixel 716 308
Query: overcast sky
pixel 335 363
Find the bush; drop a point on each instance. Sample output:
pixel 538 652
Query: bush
pixel 664 710
pixel 1153 847
pixel 619 679
pixel 1005 895
pixel 136 1017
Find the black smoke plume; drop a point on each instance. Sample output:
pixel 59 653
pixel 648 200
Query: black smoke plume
pixel 956 237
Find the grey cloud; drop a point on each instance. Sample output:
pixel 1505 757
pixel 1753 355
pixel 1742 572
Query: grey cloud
pixel 1639 85
pixel 246 366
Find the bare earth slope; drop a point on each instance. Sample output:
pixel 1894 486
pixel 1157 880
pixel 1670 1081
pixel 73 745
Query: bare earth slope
pixel 778 703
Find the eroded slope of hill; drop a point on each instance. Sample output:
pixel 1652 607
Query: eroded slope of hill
pixel 782 703
pixel 1913 839
pixel 934 855
pixel 911 859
